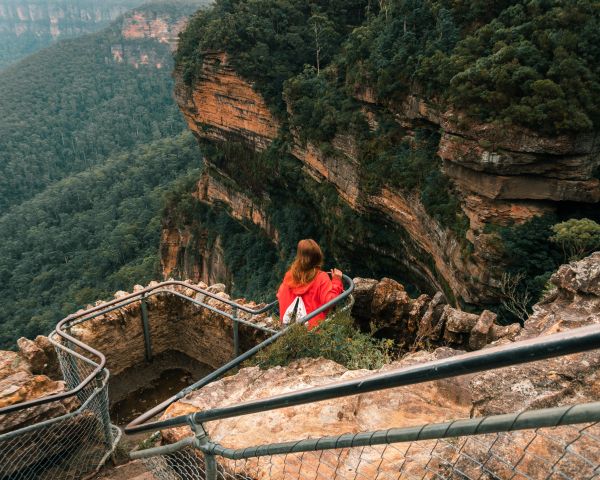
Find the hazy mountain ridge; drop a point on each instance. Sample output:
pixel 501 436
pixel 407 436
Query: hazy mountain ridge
pixel 30 25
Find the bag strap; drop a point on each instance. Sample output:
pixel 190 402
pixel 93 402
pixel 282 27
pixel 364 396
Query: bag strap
pixel 296 307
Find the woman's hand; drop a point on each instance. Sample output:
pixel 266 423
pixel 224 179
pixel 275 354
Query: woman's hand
pixel 335 273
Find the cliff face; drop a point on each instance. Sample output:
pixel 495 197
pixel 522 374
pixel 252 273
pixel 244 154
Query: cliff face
pixel 157 24
pixel 501 177
pixel 222 106
pixel 161 27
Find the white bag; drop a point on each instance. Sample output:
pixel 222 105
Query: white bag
pixel 296 311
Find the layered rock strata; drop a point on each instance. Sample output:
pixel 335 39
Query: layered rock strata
pixel 223 106
pixel 148 25
pixel 143 29
pixel 187 252
pixel 28 374
pixel 503 176
pixel 560 381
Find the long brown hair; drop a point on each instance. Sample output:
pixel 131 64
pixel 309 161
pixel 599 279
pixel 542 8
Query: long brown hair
pixel 308 261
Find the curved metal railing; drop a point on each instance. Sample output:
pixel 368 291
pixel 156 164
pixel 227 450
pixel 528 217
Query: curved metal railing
pixel 85 374
pixel 64 339
pixel 139 425
pixel 63 327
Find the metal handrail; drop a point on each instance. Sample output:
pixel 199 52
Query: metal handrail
pixel 80 317
pixel 539 348
pixel 509 422
pixel 106 307
pixel 138 424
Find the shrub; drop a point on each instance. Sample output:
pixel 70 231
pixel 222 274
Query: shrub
pixel 336 339
pixel 577 237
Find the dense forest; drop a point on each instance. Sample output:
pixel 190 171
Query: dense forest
pixel 89 147
pixel 70 106
pixel 88 235
pixel 530 63
pixel 27 26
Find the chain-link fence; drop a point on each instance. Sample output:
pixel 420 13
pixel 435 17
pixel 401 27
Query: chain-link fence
pixel 567 452
pixel 64 439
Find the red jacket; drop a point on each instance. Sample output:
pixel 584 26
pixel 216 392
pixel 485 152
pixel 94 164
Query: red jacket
pixel 314 294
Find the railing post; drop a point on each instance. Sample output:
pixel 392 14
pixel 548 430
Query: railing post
pixel 236 334
pixel 105 416
pixel 70 369
pixel 210 462
pixel 146 328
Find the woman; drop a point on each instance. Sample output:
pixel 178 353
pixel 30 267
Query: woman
pixel 306 287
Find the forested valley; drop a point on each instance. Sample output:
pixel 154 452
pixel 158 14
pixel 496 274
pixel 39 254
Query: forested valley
pixel 89 147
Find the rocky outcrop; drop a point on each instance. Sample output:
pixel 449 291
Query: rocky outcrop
pixel 222 106
pixel 561 381
pixel 157 26
pixel 575 302
pixel 28 374
pixel 191 252
pixel 339 167
pixel 149 34
pixel 216 187
pixel 425 322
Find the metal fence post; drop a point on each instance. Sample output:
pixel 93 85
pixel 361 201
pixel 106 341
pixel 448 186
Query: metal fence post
pixel 69 367
pixel 236 334
pixel 210 462
pixel 105 416
pixel 146 328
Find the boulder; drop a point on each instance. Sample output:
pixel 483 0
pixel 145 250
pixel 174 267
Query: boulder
pixel 480 333
pixel 18 384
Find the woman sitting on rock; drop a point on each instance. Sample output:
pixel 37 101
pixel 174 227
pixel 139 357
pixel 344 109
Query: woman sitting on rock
pixel 306 287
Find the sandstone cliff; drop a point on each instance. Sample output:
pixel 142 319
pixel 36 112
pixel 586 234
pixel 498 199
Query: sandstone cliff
pixel 56 19
pixel 501 177
pixel 562 381
pixel 156 23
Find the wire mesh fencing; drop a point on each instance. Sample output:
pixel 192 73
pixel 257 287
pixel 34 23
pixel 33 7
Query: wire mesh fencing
pixel 66 439
pixel 567 453
pixel 185 464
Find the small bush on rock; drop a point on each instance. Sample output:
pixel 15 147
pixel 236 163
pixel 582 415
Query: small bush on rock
pixel 336 339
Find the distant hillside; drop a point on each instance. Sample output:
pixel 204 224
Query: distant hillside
pixel 90 144
pixel 70 106
pixel 27 26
